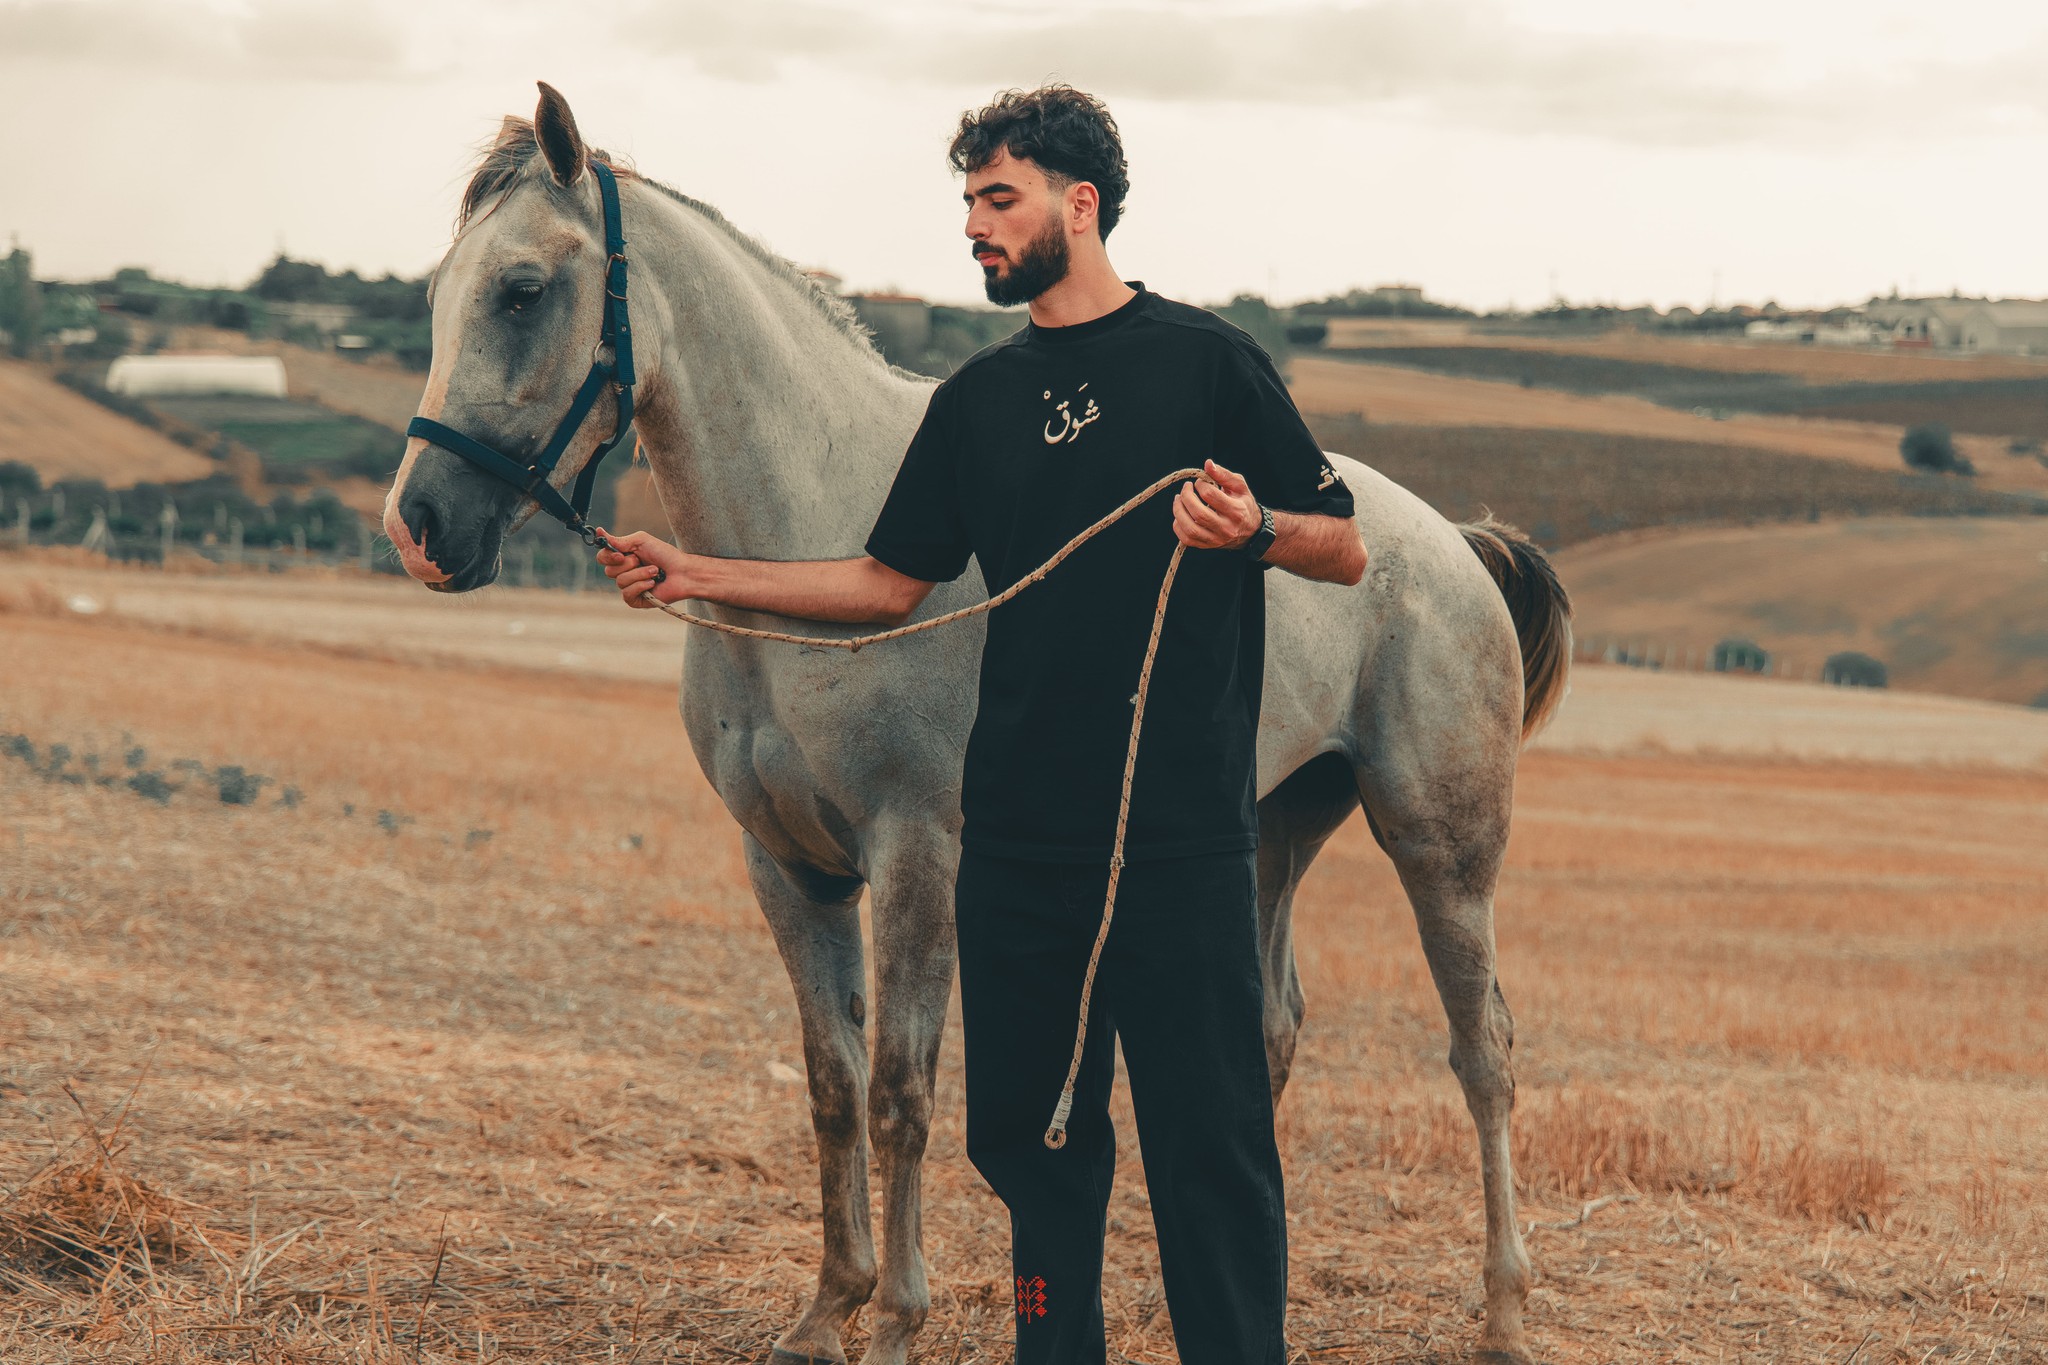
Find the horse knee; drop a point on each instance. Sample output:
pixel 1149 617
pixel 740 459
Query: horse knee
pixel 899 1118
pixel 837 1106
pixel 1283 1032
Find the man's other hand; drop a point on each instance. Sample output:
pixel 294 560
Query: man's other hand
pixel 639 561
pixel 1216 511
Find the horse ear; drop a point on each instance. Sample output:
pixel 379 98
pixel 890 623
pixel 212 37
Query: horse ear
pixel 554 128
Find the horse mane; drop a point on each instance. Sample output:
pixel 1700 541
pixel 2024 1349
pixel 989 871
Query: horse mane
pixel 512 155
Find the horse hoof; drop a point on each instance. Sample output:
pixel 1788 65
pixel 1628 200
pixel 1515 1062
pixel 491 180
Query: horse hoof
pixel 778 1356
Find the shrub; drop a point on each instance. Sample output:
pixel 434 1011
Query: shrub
pixel 1852 669
pixel 1737 655
pixel 1930 447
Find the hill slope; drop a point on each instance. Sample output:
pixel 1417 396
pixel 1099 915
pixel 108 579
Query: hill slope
pixel 1955 606
pixel 64 436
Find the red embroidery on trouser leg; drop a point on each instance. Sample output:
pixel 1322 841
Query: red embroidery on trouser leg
pixel 1030 1297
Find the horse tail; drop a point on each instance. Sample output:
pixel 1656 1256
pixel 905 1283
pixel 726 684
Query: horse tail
pixel 1541 609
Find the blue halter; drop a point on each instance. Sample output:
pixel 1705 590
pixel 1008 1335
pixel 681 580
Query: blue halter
pixel 611 366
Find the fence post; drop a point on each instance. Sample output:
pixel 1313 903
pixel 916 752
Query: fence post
pixel 169 518
pixel 21 522
pixel 96 534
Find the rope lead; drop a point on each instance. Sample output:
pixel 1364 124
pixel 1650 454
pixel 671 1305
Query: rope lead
pixel 1056 1133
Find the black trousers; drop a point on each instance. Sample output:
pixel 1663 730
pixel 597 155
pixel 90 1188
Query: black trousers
pixel 1179 984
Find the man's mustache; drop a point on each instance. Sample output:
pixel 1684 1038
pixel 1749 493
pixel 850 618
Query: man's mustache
pixel 981 249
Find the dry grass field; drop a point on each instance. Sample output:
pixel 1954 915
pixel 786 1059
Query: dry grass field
pixel 459 1039
pixel 1950 605
pixel 1384 394
pixel 65 436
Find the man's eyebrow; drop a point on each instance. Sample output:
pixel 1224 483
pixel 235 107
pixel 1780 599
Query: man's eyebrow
pixel 1000 187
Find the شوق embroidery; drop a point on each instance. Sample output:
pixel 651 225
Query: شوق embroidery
pixel 1070 425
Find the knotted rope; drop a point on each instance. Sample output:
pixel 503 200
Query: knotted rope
pixel 1056 1132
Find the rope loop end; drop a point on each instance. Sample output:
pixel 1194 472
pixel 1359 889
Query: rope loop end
pixel 1056 1135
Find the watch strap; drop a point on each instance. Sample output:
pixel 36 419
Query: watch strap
pixel 1263 538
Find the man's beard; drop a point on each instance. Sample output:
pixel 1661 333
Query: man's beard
pixel 1044 264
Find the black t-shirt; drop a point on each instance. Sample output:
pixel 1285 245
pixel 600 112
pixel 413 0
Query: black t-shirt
pixel 1027 444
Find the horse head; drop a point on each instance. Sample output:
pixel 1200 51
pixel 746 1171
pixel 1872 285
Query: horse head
pixel 517 303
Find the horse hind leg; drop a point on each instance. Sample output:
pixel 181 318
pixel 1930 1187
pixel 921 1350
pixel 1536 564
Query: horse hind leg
pixel 1296 819
pixel 817 930
pixel 1448 854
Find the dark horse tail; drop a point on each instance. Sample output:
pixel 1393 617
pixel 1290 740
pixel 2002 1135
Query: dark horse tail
pixel 1540 606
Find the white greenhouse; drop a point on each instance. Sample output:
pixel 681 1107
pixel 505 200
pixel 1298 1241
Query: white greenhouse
pixel 154 376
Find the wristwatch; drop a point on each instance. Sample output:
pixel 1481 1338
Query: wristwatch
pixel 1263 538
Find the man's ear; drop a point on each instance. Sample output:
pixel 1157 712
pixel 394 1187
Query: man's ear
pixel 554 128
pixel 1082 203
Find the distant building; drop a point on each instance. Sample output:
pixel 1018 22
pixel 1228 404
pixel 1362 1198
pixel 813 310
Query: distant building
pixel 324 318
pixel 1396 295
pixel 824 279
pixel 2010 326
pixel 1935 322
pixel 148 376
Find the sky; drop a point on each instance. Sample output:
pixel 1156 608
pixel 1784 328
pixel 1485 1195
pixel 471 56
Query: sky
pixel 1498 152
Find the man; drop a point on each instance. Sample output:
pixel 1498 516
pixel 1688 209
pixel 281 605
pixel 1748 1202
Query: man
pixel 1108 388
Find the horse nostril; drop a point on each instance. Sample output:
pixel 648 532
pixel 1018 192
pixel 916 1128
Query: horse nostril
pixel 418 516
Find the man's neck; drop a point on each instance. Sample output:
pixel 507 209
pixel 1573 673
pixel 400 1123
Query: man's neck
pixel 1090 290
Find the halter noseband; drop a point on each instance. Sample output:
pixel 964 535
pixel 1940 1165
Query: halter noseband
pixel 611 365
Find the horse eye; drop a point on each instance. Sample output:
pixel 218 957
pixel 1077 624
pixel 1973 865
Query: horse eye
pixel 521 295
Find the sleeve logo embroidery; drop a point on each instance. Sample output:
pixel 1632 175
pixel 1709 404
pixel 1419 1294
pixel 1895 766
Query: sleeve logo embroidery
pixel 1329 477
pixel 1070 425
pixel 1030 1297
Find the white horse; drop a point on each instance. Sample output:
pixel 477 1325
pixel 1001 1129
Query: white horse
pixel 773 430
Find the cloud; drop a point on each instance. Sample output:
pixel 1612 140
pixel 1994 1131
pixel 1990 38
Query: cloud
pixel 1453 62
pixel 300 40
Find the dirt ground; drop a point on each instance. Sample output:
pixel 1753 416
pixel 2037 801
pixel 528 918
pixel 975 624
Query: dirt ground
pixel 1958 606
pixel 1815 364
pixel 1609 712
pixel 1386 394
pixel 63 435
pixel 459 1039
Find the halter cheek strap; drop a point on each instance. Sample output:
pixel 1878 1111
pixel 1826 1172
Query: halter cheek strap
pixel 611 366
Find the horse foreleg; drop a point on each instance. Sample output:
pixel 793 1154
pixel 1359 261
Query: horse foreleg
pixel 912 912
pixel 1296 819
pixel 816 923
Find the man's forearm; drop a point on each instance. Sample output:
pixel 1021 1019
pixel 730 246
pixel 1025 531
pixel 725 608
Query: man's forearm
pixel 860 591
pixel 1327 549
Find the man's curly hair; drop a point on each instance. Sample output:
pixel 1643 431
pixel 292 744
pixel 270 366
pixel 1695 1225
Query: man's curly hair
pixel 1068 134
